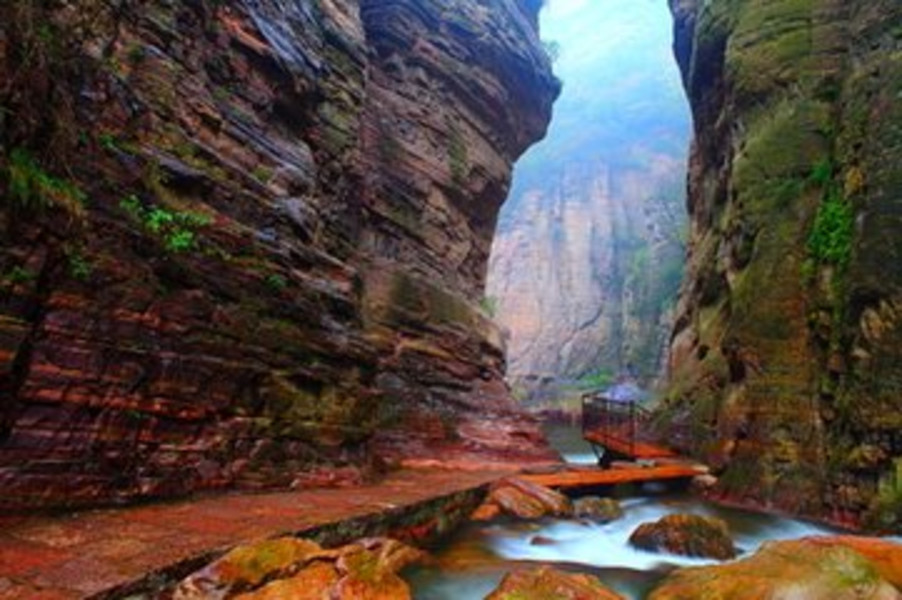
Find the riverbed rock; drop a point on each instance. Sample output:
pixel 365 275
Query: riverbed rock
pixel 885 555
pixel 547 583
pixel 300 569
pixel 603 510
pixel 526 500
pixel 798 570
pixel 246 567
pixel 686 535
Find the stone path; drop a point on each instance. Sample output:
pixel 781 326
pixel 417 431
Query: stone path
pixel 85 554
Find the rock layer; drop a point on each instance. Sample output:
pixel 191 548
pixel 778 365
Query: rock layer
pixel 244 241
pixel 785 360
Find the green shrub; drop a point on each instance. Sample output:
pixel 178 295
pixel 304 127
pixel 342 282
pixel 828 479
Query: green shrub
pixel 600 379
pixel 276 282
pixel 885 512
pixel 18 275
pixel 831 237
pixel 32 188
pixel 79 267
pixel 176 229
pixel 822 172
pixel 489 306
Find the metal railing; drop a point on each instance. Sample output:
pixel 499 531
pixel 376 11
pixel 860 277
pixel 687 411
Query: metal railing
pixel 625 423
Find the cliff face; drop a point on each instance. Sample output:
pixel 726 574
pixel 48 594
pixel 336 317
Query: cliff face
pixel 787 347
pixel 587 259
pixel 585 269
pixel 244 242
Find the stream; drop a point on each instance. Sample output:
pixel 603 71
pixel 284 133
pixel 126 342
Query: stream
pixel 470 564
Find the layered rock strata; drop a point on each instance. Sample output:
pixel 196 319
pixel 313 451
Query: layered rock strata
pixel 786 358
pixel 245 241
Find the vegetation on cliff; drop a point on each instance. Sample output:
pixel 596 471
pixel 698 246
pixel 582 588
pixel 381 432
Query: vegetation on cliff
pixel 785 358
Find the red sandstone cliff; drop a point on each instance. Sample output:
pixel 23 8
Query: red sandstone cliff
pixel 243 242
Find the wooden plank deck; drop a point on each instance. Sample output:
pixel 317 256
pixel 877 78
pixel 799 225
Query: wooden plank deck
pixel 575 478
pixel 622 447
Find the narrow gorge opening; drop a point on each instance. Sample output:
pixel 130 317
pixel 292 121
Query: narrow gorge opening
pixel 590 246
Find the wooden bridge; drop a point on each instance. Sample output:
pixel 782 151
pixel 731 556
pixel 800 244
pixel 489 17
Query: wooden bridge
pixel 619 430
pixel 628 451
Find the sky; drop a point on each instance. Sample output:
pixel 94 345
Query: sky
pixel 621 82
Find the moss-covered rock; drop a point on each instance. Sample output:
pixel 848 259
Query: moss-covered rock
pixel 547 584
pixel 804 569
pixel 603 510
pixel 687 535
pixel 792 186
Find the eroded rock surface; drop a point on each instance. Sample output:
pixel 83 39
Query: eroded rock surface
pixel 603 510
pixel 546 583
pixel 809 568
pixel 686 535
pixel 291 568
pixel 524 500
pixel 786 357
pixel 243 243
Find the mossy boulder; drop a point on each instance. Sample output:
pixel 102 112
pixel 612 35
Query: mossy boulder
pixel 799 569
pixel 246 567
pixel 603 510
pixel 686 535
pixel 547 583
pixel 301 570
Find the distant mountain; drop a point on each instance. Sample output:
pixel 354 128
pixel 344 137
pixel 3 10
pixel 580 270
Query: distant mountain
pixel 588 255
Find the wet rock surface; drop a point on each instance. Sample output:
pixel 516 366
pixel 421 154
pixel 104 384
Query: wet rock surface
pixel 602 510
pixel 809 568
pixel 258 242
pixel 546 583
pixel 686 535
pixel 786 352
pixel 524 500
pixel 137 551
pixel 291 568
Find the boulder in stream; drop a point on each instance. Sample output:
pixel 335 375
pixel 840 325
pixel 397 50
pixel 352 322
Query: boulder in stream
pixel 603 510
pixel 526 500
pixel 301 570
pixel 806 569
pixel 546 583
pixel 686 535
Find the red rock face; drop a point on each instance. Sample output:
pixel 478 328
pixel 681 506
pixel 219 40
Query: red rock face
pixel 277 264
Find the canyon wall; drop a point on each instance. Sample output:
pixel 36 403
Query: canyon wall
pixel 588 255
pixel 786 360
pixel 244 242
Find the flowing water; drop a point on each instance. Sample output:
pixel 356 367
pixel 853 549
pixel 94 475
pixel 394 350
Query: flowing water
pixel 471 564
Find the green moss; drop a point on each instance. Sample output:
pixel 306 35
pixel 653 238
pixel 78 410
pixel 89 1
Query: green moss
pixel 31 188
pixel 831 236
pixel 176 229
pixel 411 296
pixel 771 45
pixel 885 512
pixel 457 156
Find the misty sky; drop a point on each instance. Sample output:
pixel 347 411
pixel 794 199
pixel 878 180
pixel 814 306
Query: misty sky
pixel 621 83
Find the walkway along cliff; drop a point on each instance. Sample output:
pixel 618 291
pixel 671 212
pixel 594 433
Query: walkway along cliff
pixel 244 242
pixel 786 360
